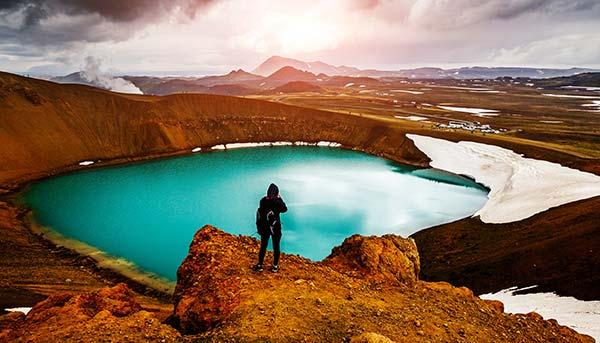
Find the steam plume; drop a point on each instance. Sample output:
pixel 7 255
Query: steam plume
pixel 93 73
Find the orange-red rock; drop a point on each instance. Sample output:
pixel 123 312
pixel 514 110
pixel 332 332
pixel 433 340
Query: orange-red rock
pixel 388 258
pixel 109 314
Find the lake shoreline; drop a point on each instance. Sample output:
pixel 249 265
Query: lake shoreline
pixel 76 205
pixel 62 252
pixel 11 195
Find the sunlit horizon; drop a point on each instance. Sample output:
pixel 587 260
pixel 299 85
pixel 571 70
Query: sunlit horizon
pixel 210 37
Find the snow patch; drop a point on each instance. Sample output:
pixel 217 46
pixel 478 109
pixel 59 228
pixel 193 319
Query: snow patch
pixel 86 163
pixel 328 144
pixel 349 84
pixel 405 91
pixel 198 149
pixel 413 118
pixel 479 112
pixel 571 96
pixel 488 92
pixel 582 316
pixel 582 87
pixel 467 88
pixel 519 187
pixel 595 104
pixel 269 144
pixel 24 310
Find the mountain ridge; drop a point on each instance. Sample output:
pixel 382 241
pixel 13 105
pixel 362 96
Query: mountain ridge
pixel 277 70
pixel 276 62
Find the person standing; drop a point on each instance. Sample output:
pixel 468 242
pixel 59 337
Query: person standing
pixel 268 225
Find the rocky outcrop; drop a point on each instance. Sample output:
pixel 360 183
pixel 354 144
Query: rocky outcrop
pixel 366 291
pixel 209 283
pixel 388 258
pixel 215 277
pixel 109 314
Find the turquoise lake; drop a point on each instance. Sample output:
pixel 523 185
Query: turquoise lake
pixel 148 212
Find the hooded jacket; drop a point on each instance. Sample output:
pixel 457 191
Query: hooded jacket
pixel 272 202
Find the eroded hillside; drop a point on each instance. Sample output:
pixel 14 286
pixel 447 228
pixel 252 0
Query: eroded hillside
pixel 46 128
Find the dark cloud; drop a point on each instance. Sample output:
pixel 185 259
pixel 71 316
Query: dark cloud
pixel 446 14
pixel 68 24
pixel 34 28
pixel 113 10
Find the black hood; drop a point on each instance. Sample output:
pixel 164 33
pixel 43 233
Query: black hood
pixel 273 191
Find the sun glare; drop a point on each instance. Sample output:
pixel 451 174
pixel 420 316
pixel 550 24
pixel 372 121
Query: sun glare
pixel 307 34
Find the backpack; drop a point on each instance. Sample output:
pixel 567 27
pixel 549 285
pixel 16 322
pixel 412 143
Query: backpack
pixel 265 222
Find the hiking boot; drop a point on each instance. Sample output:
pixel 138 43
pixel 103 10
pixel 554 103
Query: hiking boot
pixel 274 269
pixel 258 268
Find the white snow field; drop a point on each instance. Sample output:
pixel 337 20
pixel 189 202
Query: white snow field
pixel 413 118
pixel 582 316
pixel 519 187
pixel 480 112
pixel 24 310
pixel 595 104
pixel 405 91
pixel 571 96
pixel 266 144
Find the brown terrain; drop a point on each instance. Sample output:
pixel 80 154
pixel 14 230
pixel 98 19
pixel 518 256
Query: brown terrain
pixel 556 250
pixel 368 284
pixel 46 129
pixel 367 290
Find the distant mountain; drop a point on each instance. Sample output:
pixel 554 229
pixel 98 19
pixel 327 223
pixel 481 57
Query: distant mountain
pixel 100 80
pixel 579 80
pixel 158 86
pixel 234 76
pixel 274 63
pixel 206 84
pixel 76 77
pixel 466 73
pixel 494 72
pixel 241 83
pixel 297 87
pixel 291 74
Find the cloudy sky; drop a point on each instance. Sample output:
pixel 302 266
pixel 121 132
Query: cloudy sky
pixel 215 36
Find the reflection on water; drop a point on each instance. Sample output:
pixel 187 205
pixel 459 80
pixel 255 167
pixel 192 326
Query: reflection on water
pixel 149 212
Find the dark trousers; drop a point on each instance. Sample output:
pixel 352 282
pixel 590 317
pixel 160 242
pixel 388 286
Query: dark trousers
pixel 264 242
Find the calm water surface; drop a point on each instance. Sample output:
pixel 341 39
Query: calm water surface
pixel 148 213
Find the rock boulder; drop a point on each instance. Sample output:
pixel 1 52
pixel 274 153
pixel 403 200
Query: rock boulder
pixel 388 258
